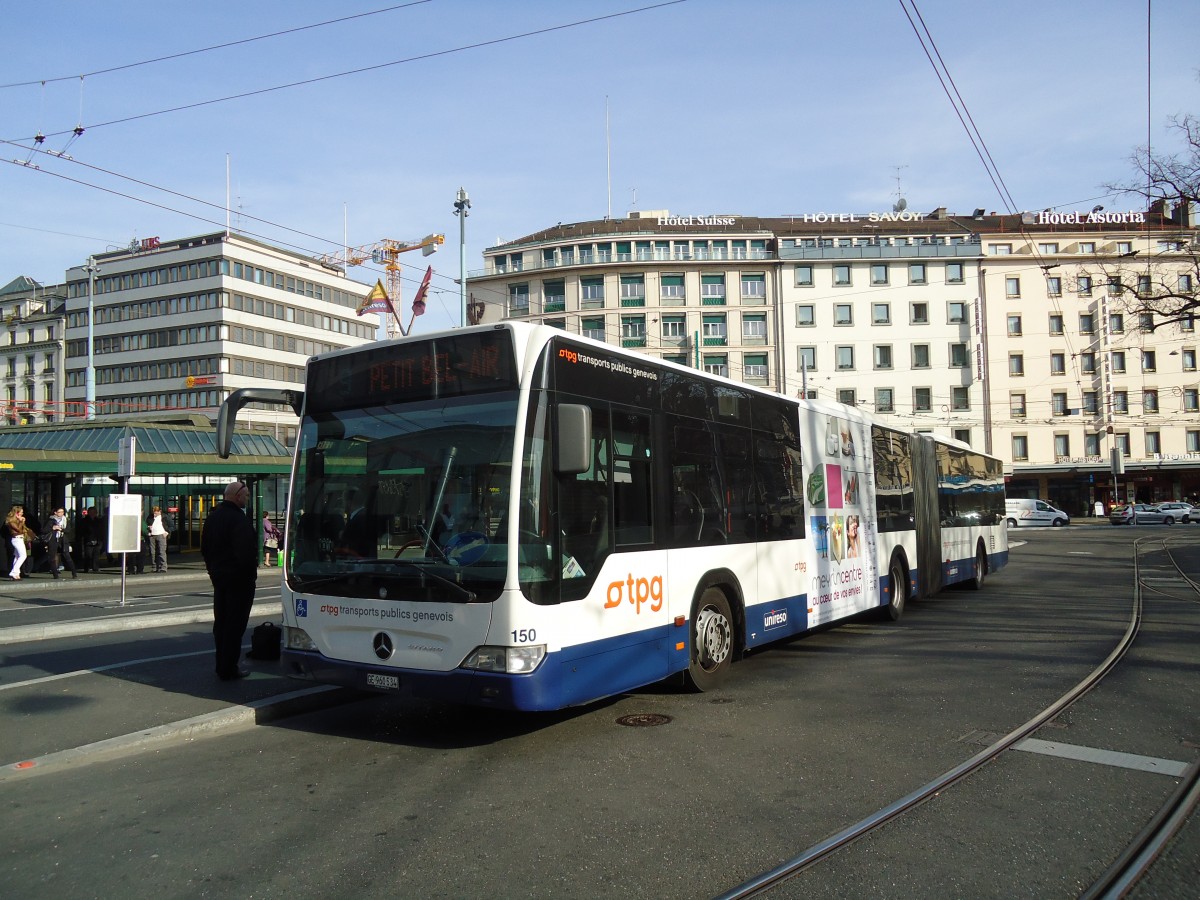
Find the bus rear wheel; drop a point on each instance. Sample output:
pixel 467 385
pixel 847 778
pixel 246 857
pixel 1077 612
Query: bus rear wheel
pixel 712 641
pixel 980 573
pixel 897 591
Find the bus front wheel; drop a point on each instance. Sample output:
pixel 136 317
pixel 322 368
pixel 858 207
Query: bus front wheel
pixel 712 641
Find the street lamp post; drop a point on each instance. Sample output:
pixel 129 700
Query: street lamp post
pixel 461 204
pixel 90 389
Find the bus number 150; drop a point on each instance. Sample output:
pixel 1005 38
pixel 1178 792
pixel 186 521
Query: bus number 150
pixel 524 635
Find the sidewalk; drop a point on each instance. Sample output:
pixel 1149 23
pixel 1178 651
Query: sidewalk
pixel 179 566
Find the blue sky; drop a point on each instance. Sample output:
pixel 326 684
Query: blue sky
pixel 755 107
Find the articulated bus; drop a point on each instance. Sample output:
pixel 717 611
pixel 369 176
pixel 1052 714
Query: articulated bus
pixel 513 516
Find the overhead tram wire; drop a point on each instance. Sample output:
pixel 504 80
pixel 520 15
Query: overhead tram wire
pixel 423 56
pixel 183 53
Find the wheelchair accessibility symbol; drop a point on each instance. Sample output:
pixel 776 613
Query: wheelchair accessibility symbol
pixel 301 608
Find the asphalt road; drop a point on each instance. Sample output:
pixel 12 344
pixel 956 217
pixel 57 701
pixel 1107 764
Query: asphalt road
pixel 383 796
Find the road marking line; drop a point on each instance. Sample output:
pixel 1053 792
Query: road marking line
pixel 1103 757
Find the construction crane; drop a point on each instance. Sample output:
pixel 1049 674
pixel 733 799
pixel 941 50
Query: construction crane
pixel 385 253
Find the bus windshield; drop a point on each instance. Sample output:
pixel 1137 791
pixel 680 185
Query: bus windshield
pixel 404 501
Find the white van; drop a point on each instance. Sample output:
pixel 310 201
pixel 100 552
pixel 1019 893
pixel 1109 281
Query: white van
pixel 1021 512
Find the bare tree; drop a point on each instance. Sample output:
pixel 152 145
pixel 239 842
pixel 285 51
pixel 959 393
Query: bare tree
pixel 1163 283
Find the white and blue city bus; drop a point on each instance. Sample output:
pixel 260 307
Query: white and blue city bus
pixel 514 516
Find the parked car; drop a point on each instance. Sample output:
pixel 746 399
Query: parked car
pixel 1183 512
pixel 1020 512
pixel 1142 514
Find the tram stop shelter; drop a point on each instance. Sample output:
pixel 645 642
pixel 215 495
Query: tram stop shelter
pixel 176 467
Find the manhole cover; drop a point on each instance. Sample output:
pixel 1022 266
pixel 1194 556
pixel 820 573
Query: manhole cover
pixel 643 720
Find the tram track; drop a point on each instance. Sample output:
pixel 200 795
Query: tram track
pixel 1129 866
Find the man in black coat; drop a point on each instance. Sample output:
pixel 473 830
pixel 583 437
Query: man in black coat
pixel 229 546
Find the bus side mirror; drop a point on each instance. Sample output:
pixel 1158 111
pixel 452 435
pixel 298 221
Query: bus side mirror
pixel 574 439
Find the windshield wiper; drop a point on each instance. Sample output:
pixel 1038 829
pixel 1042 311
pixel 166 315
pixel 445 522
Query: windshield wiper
pixel 468 596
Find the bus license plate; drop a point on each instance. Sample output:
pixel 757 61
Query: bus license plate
pixel 387 682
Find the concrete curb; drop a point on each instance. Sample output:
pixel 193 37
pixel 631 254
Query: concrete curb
pixel 257 712
pixel 19 634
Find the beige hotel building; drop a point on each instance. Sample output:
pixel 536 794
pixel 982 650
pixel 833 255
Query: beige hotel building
pixel 1021 335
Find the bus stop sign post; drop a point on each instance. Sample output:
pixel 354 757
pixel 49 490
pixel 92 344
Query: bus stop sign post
pixel 125 510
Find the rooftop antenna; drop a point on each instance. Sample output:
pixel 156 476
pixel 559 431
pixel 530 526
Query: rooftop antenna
pixel 633 201
pixel 901 204
pixel 608 154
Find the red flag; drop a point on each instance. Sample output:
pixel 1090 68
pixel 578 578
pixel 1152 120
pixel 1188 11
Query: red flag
pixel 419 299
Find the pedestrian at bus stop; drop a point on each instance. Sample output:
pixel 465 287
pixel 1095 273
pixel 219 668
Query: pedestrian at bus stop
pixel 58 547
pixel 88 534
pixel 229 546
pixel 159 526
pixel 272 537
pixel 15 531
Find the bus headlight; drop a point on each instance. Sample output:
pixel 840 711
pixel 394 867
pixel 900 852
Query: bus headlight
pixel 511 660
pixel 297 639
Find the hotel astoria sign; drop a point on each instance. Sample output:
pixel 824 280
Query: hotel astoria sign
pixel 1096 217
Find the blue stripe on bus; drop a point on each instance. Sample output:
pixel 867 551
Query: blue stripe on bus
pixel 767 622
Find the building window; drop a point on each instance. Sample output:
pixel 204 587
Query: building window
pixel 1121 441
pixel 1012 286
pixel 960 398
pixel 592 288
pixel 1016 364
pixel 1091 401
pixel 713 330
pixel 1184 286
pixel 1189 359
pixel 754 285
pixel 956 313
pixel 841 276
pixel 1048 248
pixel 1116 323
pixel 1124 247
pixel 593 328
pixel 633 290
pixel 1014 326
pixel 1121 402
pixel 1087 362
pixel 804 276
pixel 1000 249
pixel 1192 441
pixel 922 399
pixel 885 400
pixel 1062 446
pixel 1114 285
pixel 716 364
pixel 633 331
pixel 954 273
pixel 1150 401
pixel 881 313
pixel 671 287
pixel 959 358
pixel 920 356
pixel 1087 323
pixel 754 328
pixel 1118 361
pixel 1149 361
pixel 879 273
pixel 843 314
pixel 1020 447
pixel 918 313
pixel 1083 285
pixel 806 359
pixel 844 356
pixel 1058 403
pixel 1058 364
pixel 754 367
pixel 916 273
pixel 1016 405
pixel 1153 443
pixel 1087 246
pixel 848 396
pixel 883 356
pixel 518 298
pixel 1191 400
pixel 554 296
pixel 674 328
pixel 1053 285
pixel 712 287
pixel 805 315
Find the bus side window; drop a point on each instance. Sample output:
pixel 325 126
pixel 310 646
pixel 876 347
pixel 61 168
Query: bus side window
pixel 633 484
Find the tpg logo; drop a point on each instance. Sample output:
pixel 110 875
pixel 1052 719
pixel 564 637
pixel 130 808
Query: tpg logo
pixel 636 591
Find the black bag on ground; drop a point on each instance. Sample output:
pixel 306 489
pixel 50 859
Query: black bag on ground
pixel 265 641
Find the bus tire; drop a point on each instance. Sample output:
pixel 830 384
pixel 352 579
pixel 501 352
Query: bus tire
pixel 897 590
pixel 980 573
pixel 1011 523
pixel 712 641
